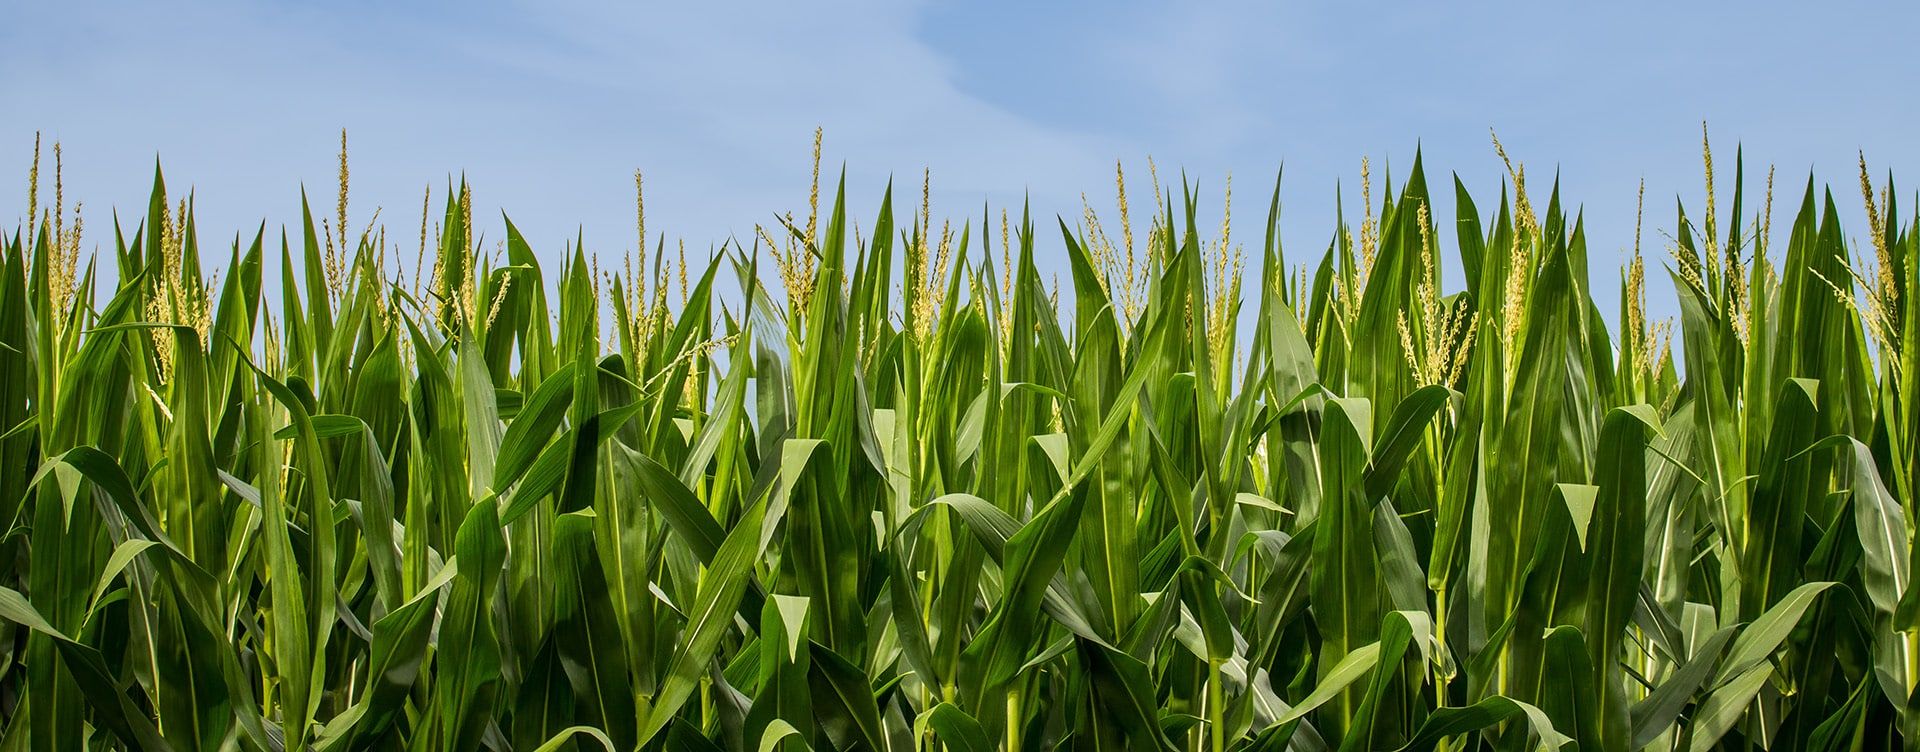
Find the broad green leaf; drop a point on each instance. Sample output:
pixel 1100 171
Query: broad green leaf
pixel 721 588
pixel 959 730
pixel 1450 722
pixel 559 740
pixel 1346 590
pixel 89 669
pixel 1762 637
pixel 1786 489
pixel 1614 538
pixel 1355 665
pixel 1724 707
pixel 1654 715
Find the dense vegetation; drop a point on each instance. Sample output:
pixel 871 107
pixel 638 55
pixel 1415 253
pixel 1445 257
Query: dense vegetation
pixel 900 502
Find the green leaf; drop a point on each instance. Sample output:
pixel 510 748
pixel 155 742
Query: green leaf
pixel 123 555
pixel 590 647
pixel 777 731
pixel 1568 692
pixel 1761 638
pixel 710 619
pixel 1402 435
pixel 89 669
pixel 1444 723
pixel 1775 523
pixel 400 649
pixel 1615 541
pixel 1336 679
pixel 1724 707
pixel 1883 534
pixel 958 730
pixel 468 652
pixel 1346 590
pixel 559 740
pixel 536 425
pixel 1654 715
pixel 843 700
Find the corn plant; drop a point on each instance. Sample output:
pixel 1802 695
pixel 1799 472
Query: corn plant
pixel 899 501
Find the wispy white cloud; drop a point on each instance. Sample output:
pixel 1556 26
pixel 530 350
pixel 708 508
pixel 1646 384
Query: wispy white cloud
pixel 547 107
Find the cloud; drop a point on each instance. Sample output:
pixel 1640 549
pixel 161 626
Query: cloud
pixel 547 108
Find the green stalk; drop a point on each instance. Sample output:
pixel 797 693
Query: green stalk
pixel 706 703
pixel 1013 718
pixel 1911 640
pixel 927 736
pixel 1216 710
pixel 1440 638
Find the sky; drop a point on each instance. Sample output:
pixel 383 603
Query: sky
pixel 548 108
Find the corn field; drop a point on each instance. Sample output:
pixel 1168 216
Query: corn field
pixel 898 501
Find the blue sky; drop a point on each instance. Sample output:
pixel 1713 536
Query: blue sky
pixel 548 107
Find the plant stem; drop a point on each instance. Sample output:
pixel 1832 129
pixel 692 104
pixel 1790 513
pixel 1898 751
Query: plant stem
pixel 1216 712
pixel 1013 717
pixel 1912 644
pixel 1440 640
